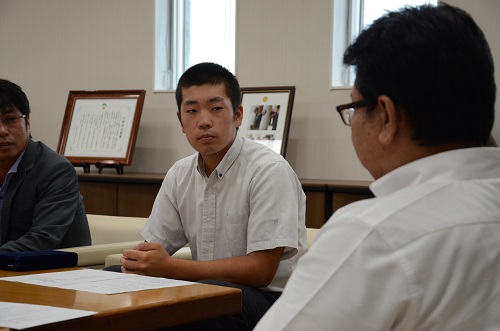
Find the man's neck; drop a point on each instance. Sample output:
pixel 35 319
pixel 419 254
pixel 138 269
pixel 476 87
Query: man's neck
pixel 211 161
pixel 209 166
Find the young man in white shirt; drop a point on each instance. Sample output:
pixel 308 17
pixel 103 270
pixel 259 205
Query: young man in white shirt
pixel 424 254
pixel 238 204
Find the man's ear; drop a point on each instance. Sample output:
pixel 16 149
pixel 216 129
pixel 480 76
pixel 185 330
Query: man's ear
pixel 389 119
pixel 238 116
pixel 180 121
pixel 28 125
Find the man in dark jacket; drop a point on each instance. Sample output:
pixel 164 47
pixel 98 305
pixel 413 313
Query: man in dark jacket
pixel 40 202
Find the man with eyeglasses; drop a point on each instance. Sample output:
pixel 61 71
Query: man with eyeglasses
pixel 424 254
pixel 40 203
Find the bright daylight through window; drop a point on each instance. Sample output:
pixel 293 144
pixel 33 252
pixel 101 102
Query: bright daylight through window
pixel 349 18
pixel 188 32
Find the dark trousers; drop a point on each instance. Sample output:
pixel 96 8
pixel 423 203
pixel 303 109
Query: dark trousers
pixel 255 303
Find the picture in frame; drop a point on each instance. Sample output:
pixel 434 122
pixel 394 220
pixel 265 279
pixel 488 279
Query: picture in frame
pixel 100 127
pixel 267 112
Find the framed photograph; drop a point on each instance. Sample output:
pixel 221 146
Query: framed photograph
pixel 100 127
pixel 266 115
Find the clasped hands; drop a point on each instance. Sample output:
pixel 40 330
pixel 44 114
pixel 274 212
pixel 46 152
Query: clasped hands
pixel 146 259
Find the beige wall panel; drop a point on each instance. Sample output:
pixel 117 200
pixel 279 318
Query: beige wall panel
pixel 50 47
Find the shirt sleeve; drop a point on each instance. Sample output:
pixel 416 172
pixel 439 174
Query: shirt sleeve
pixel 349 280
pixel 277 208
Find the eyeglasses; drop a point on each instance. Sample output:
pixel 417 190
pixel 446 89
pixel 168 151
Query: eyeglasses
pixel 346 111
pixel 9 121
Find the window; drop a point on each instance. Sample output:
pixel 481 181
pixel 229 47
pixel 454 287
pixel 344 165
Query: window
pixel 349 18
pixel 188 32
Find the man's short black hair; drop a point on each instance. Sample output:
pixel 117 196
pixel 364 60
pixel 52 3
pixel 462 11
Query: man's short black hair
pixel 11 95
pixel 436 66
pixel 213 74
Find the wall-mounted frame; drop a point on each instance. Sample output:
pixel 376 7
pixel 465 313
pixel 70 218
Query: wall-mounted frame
pixel 100 127
pixel 266 115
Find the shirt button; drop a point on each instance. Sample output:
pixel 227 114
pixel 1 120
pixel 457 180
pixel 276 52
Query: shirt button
pixel 206 248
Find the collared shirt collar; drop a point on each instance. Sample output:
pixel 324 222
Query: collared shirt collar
pixel 226 162
pixel 16 164
pixel 13 169
pixel 442 167
pixel 11 172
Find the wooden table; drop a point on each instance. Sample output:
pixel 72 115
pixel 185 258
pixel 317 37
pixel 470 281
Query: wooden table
pixel 141 310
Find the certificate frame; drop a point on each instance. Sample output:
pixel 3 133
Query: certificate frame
pixel 100 127
pixel 275 104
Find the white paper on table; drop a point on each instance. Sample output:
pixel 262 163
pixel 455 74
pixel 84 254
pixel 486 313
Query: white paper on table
pixel 21 316
pixel 97 281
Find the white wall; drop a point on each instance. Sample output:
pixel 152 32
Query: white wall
pixel 50 47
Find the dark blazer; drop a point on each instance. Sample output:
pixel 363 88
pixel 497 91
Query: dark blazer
pixel 43 207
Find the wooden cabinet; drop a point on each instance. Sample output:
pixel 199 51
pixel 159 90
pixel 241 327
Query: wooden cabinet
pixel 344 192
pixel 134 194
pixel 317 202
pixel 99 197
pixel 324 197
pixel 123 195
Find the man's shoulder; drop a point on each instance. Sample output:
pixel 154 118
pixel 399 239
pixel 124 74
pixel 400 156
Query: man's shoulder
pixel 44 152
pixel 38 154
pixel 184 165
pixel 255 151
pixel 41 164
pixel 186 161
pixel 259 157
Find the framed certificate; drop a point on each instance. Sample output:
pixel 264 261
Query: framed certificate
pixel 100 127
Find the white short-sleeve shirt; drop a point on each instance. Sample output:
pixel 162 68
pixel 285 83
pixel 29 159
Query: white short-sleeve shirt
pixel 252 201
pixel 423 255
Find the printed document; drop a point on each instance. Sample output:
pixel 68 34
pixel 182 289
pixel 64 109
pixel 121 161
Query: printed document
pixel 97 281
pixel 20 316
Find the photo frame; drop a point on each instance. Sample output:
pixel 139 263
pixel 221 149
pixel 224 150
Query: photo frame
pixel 267 112
pixel 100 127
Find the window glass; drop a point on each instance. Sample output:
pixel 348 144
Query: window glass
pixel 188 32
pixel 373 9
pixel 349 18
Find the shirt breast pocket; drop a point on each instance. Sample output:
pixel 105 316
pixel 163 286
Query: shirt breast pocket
pixel 237 231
